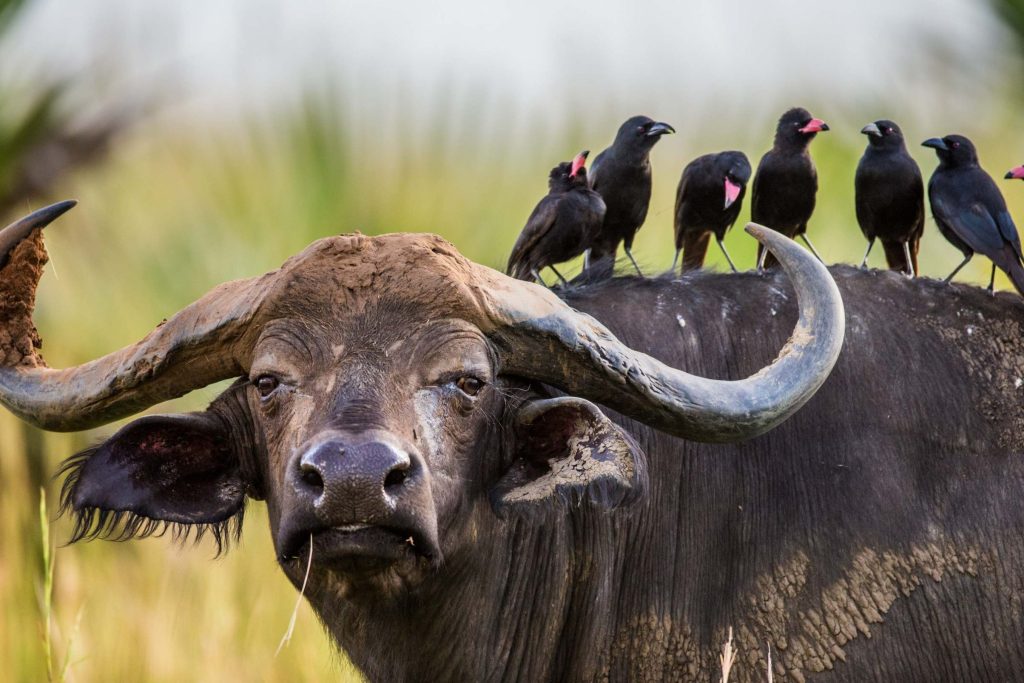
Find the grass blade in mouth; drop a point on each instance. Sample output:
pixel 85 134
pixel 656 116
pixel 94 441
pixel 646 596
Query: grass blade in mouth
pixel 287 637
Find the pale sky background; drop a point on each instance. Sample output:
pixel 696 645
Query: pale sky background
pixel 700 60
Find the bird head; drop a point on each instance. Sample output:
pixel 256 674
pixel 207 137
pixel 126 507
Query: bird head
pixel 641 133
pixel 883 134
pixel 736 174
pixel 953 150
pixel 560 178
pixel 798 127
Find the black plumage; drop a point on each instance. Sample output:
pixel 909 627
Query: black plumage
pixel 889 196
pixel 708 201
pixel 786 183
pixel 970 211
pixel 562 225
pixel 622 175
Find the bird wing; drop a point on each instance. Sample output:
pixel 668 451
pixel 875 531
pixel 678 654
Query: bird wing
pixel 537 225
pixel 973 224
pixel 1008 230
pixel 681 193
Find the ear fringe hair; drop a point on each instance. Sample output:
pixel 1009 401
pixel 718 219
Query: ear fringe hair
pixel 602 495
pixel 123 525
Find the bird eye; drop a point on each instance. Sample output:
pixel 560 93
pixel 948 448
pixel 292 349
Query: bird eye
pixel 888 131
pixel 265 385
pixel 955 145
pixel 469 385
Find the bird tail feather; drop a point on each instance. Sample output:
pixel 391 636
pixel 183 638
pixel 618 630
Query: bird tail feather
pixel 896 258
pixel 695 247
pixel 1016 273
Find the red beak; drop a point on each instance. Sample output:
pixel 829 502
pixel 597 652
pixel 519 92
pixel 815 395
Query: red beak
pixel 814 126
pixel 1017 173
pixel 732 191
pixel 579 162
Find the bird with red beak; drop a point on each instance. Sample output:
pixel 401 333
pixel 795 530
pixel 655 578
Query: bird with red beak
pixel 700 210
pixel 562 225
pixel 786 183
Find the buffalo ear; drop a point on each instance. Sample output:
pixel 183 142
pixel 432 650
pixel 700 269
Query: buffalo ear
pixel 568 452
pixel 176 471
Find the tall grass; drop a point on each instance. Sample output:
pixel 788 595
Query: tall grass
pixel 179 209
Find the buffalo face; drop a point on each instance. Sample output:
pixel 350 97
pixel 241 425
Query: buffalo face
pixel 374 440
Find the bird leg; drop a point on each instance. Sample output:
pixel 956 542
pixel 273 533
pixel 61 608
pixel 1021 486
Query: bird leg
pixel 910 261
pixel 956 270
pixel 537 277
pixel 635 265
pixel 762 255
pixel 864 263
pixel 810 246
pixel 992 282
pixel 675 260
pixel 586 260
pixel 721 245
pixel 565 283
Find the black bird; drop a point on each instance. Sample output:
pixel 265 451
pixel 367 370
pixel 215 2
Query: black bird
pixel 970 211
pixel 1015 172
pixel 562 225
pixel 708 200
pixel 890 196
pixel 787 182
pixel 622 174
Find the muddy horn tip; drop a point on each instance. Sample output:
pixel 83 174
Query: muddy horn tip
pixel 13 234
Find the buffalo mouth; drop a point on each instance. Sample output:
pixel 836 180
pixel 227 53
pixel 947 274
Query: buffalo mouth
pixel 358 548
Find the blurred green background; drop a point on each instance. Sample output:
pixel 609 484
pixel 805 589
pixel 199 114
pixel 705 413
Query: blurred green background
pixel 399 121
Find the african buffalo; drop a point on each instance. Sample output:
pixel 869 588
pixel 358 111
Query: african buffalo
pixel 422 432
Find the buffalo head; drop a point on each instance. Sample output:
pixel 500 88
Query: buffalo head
pixel 388 392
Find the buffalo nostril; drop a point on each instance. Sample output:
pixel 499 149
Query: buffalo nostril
pixel 312 478
pixel 395 478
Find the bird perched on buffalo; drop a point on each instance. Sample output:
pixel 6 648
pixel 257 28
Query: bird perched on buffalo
pixel 562 225
pixel 708 201
pixel 786 183
pixel 970 211
pixel 1015 172
pixel 622 175
pixel 889 195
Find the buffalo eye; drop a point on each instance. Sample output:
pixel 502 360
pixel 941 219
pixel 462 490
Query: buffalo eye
pixel 468 385
pixel 265 385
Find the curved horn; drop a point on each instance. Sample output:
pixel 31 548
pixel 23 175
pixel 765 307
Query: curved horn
pixel 200 345
pixel 13 234
pixel 573 351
